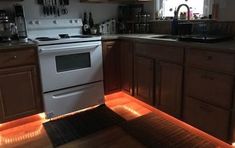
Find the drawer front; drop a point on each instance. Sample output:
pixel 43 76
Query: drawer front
pixel 210 60
pixel 210 119
pixel 19 57
pixel 214 88
pixel 165 53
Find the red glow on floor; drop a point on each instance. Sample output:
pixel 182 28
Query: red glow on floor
pixel 22 121
pixel 184 125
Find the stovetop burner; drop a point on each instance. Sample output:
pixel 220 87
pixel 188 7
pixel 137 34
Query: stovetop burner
pixel 46 39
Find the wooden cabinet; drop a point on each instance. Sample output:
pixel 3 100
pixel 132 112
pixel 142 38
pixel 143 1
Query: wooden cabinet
pixel 144 79
pixel 232 131
pixel 20 91
pixel 111 66
pixel 168 88
pixel 160 72
pixel 209 92
pixel 206 117
pixel 126 48
pixel 211 87
pixel 215 61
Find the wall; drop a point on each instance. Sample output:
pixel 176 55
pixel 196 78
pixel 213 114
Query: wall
pixel 100 12
pixel 226 10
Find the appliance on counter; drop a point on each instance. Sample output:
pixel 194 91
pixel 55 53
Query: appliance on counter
pixel 7 28
pixel 133 19
pixel 108 27
pixel 70 63
pixel 20 22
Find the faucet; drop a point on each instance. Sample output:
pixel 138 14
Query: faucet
pixel 178 9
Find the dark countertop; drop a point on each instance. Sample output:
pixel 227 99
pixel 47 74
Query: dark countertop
pixel 225 46
pixel 16 45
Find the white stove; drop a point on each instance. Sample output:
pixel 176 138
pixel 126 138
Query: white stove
pixel 70 65
pixel 69 39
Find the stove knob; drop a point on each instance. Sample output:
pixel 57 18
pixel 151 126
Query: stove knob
pixel 55 22
pixel 71 21
pixel 37 22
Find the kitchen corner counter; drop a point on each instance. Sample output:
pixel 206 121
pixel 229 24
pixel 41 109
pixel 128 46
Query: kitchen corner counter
pixel 17 45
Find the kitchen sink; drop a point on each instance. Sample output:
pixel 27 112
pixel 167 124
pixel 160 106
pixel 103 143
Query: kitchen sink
pixel 196 38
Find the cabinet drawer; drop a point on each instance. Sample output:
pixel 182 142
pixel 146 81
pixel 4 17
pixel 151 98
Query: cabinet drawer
pixel 208 118
pixel 214 88
pixel 210 60
pixel 165 53
pixel 19 57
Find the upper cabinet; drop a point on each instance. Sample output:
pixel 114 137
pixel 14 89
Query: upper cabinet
pixel 113 1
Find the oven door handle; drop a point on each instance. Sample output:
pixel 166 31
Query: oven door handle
pixel 77 48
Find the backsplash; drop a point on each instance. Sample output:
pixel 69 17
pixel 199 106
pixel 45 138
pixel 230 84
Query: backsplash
pixel 209 27
pixel 101 11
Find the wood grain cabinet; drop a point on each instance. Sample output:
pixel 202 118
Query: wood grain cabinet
pixel 111 66
pixel 208 118
pixel 126 48
pixel 168 88
pixel 144 79
pixel 158 76
pixel 209 92
pixel 20 94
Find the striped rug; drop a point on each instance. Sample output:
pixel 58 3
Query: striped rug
pixel 156 132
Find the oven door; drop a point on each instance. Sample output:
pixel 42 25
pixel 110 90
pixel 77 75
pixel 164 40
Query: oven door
pixel 68 65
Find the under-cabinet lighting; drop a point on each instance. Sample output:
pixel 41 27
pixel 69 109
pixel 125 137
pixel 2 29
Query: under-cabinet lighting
pixel 15 139
pixel 233 144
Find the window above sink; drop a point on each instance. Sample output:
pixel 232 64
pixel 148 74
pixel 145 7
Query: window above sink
pixel 198 8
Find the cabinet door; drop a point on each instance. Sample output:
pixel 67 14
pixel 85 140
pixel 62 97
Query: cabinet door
pixel 168 90
pixel 111 68
pixel 144 79
pixel 127 66
pixel 206 117
pixel 19 93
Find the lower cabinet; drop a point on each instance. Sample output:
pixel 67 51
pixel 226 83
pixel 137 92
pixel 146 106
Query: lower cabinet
pixel 111 66
pixel 168 88
pixel 19 93
pixel 127 66
pixel 144 79
pixel 232 133
pixel 206 117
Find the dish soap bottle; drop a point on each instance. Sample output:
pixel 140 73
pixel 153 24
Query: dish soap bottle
pixel 174 24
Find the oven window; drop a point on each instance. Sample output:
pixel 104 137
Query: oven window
pixel 73 62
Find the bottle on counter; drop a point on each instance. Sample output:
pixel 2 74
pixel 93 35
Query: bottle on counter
pixel 91 21
pixel 86 26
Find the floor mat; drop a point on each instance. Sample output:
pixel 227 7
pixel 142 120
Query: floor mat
pixel 70 128
pixel 156 132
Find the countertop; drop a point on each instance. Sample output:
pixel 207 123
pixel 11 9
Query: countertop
pixel 225 46
pixel 16 45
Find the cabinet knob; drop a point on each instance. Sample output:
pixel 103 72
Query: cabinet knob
pixel 14 57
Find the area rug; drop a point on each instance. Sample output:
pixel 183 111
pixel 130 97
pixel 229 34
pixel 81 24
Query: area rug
pixel 70 128
pixel 156 132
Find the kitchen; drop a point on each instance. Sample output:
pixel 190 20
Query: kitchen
pixel 136 81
